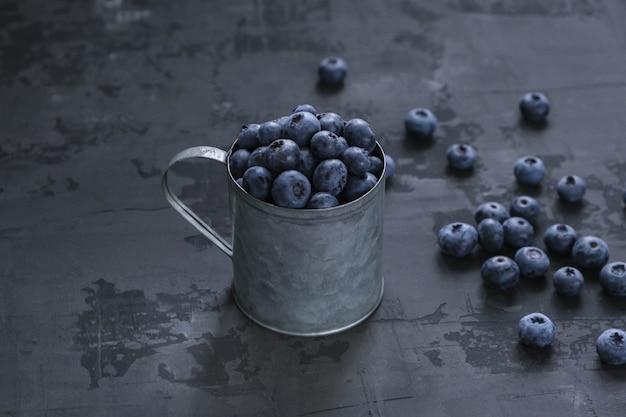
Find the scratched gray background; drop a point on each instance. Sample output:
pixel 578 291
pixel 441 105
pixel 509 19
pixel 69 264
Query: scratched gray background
pixel 112 305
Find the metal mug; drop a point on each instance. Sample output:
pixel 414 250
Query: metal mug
pixel 302 272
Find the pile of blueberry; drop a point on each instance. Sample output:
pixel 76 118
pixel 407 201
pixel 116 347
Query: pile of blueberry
pixel 308 159
pixel 499 226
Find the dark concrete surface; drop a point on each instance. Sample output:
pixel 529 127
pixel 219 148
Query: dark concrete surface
pixel 112 305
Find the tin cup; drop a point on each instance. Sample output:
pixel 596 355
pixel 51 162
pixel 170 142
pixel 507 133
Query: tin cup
pixel 302 272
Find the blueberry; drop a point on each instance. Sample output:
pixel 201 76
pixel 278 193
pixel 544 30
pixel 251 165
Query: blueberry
pixel 376 165
pixel 492 210
pixel 490 234
pixel 571 188
pixel 613 278
pixel 359 133
pixel 611 346
pixel 532 262
pixel 282 155
pixel 560 238
pixel 461 156
pixel 357 186
pixel 301 126
pixel 526 207
pixel 326 145
pixel 420 122
pixel 499 272
pixel 307 162
pixel 257 181
pixel 239 162
pixel 590 252
pixel 270 131
pixel 330 176
pixel 322 200
pixel 567 281
pixel 291 189
pixel 258 157
pixel 390 169
pixel 534 107
pixel 305 107
pixel 248 137
pixel 356 160
pixel 529 170
pixel 518 232
pixel 457 239
pixel 332 71
pixel 536 330
pixel 332 122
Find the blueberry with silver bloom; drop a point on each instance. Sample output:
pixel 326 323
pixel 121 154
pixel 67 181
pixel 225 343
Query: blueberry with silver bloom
pixel 258 157
pixel 526 207
pixel 461 156
pixel 490 235
pixel 532 262
pixel 291 189
pixel 357 186
pixel 390 170
pixel 248 137
pixel 568 281
pixel 301 126
pixel 492 210
pixel 257 181
pixel 282 154
pixel 358 132
pixel 322 200
pixel 332 71
pixel 357 160
pixel 420 122
pixel 560 238
pixel 307 162
pixel 332 122
pixel 376 165
pixel 536 330
pixel 529 170
pixel 571 188
pixel 305 107
pixel 500 272
pixel 326 145
pixel 330 176
pixel 611 346
pixel 590 252
pixel 534 106
pixel 457 239
pixel 269 131
pixel 613 279
pixel 239 162
pixel 518 232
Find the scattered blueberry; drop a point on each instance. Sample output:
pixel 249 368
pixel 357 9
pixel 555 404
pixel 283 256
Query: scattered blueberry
pixel 239 162
pixel 357 186
pixel 457 239
pixel 326 145
pixel 358 132
pixel 590 252
pixel 526 207
pixel 269 131
pixel 258 182
pixel 492 210
pixel 611 346
pixel 536 330
pixel 248 137
pixel 529 170
pixel 305 107
pixel 490 234
pixel 356 160
pixel 613 278
pixel 332 71
pixel 534 107
pixel 330 176
pixel 568 281
pixel 532 262
pixel 301 126
pixel 390 169
pixel 332 122
pixel 420 122
pixel 282 155
pixel 291 189
pixel 461 156
pixel 322 200
pixel 560 238
pixel 500 272
pixel 518 232
pixel 571 188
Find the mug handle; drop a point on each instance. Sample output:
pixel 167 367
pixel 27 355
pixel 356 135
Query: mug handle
pixel 207 152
